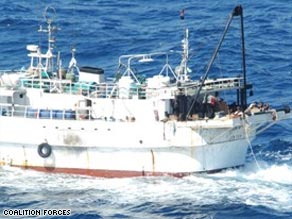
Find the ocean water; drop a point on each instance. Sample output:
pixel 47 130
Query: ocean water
pixel 101 31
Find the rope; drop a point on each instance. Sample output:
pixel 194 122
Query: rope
pixel 249 144
pixel 221 74
pixel 275 119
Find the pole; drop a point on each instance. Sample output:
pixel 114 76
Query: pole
pixel 212 60
pixel 243 90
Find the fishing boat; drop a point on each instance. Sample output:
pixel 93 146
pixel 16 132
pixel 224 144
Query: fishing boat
pixel 73 120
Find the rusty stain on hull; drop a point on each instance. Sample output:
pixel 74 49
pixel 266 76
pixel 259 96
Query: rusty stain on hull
pixel 111 173
pixel 102 173
pixel 72 139
pixel 153 161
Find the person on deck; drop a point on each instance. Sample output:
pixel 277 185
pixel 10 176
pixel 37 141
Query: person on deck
pixel 211 105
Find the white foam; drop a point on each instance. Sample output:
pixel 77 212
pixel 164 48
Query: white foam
pixel 270 186
pixel 279 174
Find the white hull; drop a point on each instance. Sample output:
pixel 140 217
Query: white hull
pixel 117 149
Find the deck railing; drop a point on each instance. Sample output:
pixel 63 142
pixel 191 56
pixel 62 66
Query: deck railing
pixel 93 90
pixel 15 110
pixel 133 91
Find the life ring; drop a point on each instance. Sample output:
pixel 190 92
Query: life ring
pixel 44 150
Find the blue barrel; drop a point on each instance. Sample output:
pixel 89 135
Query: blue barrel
pixel 70 114
pixel 45 114
pixel 31 113
pixel 57 114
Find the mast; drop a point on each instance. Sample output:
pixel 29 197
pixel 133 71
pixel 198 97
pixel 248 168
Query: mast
pixel 50 29
pixel 237 11
pixel 182 70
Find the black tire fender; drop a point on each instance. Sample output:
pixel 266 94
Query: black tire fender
pixel 44 150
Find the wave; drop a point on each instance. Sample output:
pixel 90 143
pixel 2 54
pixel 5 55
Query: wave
pixel 268 187
pixel 103 30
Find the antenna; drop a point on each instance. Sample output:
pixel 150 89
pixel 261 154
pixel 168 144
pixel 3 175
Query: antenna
pixel 182 70
pixel 50 16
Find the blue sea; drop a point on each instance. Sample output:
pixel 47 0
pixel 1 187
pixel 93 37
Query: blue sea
pixel 101 31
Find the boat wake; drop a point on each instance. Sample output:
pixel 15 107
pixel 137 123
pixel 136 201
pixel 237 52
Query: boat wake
pixel 267 189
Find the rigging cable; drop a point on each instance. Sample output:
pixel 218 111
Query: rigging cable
pixel 274 118
pixel 221 74
pixel 245 125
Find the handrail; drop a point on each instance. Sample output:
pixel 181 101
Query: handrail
pixel 126 61
pixel 16 110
